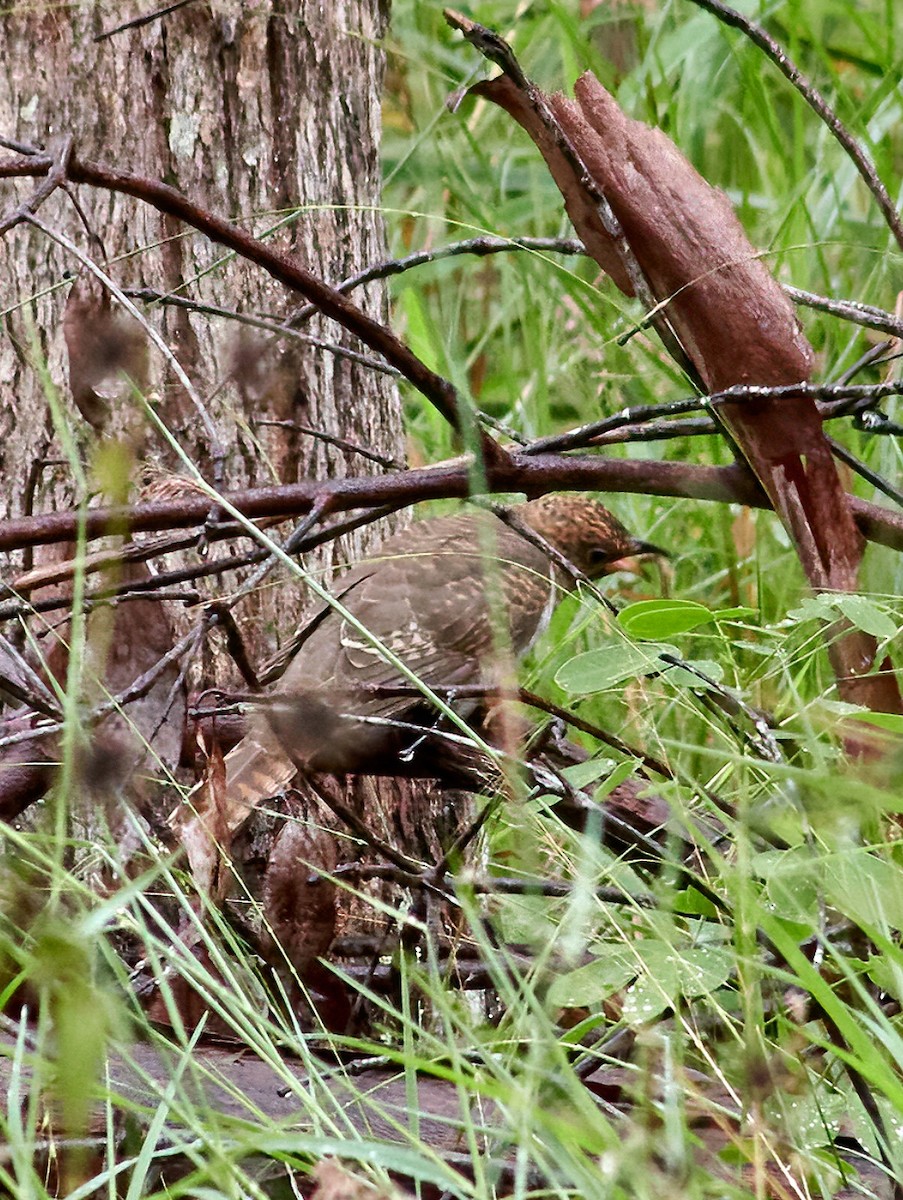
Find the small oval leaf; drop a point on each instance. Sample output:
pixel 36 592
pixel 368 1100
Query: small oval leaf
pixel 813 608
pixel 663 618
pixel 866 616
pixel 671 972
pixel 594 982
pixel 611 664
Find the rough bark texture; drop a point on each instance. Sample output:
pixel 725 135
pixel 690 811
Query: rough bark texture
pixel 264 112
pixel 267 114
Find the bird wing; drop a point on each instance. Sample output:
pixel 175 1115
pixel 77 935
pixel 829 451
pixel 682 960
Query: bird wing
pixel 429 598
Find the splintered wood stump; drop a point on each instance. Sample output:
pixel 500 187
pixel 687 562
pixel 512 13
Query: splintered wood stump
pixel 655 225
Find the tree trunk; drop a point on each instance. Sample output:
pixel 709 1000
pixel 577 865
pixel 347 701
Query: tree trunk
pixel 269 115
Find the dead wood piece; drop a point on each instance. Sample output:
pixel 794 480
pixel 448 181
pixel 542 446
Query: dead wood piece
pixel 730 316
pixel 26 772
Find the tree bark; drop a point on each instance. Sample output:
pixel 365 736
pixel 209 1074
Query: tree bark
pixel 264 112
pixel 268 114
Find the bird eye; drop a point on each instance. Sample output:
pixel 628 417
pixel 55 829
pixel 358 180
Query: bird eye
pixel 598 555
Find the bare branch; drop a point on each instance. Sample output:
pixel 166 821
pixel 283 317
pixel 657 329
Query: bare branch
pixel 532 475
pixel 287 270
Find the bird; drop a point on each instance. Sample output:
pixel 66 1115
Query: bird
pixel 455 598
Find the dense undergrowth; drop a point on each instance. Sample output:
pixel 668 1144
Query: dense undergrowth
pixel 753 993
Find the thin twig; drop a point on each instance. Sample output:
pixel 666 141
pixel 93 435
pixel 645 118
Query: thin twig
pixel 137 22
pixel 478 246
pixel 494 886
pixel 381 460
pixel 659 431
pixel 583 435
pixel 362 830
pixel 648 762
pixel 857 313
pixel 320 509
pixel 816 101
pixel 136 690
pixel 19 681
pixel 849 310
pixel 23 148
pixel 866 472
pixel 152 296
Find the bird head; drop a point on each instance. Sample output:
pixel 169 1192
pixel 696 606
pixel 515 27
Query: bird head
pixel 587 534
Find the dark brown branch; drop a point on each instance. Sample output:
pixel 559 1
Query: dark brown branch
pixel 287 270
pixel 533 475
pixel 56 176
pixel 22 148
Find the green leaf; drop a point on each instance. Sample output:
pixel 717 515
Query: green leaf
pixel 694 970
pixel 793 882
pixel 663 618
pixel 593 982
pixel 609 665
pixel 858 610
pixel 892 722
pixel 887 974
pixel 671 972
pixel 691 902
pixel 645 1000
pixel 867 889
pixel 685 678
pixel 813 608
pixel 529 919
pixel 583 773
pixel 867 616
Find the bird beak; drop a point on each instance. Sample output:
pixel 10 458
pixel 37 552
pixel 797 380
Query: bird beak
pixel 649 550
pixel 633 560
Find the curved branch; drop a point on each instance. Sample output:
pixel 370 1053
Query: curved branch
pixel 283 267
pixel 533 475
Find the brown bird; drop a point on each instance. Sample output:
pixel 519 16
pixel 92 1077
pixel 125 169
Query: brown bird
pixel 454 598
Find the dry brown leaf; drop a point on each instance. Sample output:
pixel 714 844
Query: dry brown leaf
pixel 730 316
pixel 102 347
pixel 334 1183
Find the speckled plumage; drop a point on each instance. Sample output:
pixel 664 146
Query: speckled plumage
pixel 428 594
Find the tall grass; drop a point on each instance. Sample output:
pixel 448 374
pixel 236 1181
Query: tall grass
pixel 750 1000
